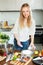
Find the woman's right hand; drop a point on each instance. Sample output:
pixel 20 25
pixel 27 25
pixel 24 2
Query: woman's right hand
pixel 19 44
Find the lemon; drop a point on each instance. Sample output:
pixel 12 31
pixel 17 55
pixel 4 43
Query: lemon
pixel 36 52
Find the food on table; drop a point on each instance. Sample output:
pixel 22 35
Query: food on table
pixel 14 58
pixel 17 59
pixel 18 62
pixel 19 55
pixel 10 50
pixel 42 52
pixel 2 40
pixel 36 52
pixel 2 58
pixel 16 55
pixel 3 53
pixel 25 59
pixel 12 62
pixel 22 63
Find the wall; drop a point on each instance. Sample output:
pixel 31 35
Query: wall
pixel 38 16
pixel 16 4
pixel 12 16
pixel 9 16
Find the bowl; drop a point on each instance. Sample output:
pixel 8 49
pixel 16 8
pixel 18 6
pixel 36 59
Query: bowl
pixel 27 53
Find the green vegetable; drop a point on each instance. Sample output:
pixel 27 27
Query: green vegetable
pixel 15 57
pixel 4 36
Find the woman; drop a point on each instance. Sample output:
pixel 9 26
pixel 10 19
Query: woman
pixel 24 27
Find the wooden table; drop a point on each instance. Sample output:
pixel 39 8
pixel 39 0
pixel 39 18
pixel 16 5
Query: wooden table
pixel 8 63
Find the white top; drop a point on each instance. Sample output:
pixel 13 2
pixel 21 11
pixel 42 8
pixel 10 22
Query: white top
pixel 23 34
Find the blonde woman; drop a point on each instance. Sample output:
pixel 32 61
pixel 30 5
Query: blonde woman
pixel 24 27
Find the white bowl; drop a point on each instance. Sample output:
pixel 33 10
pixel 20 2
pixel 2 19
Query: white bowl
pixel 27 53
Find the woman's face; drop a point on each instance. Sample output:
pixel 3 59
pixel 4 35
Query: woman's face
pixel 25 12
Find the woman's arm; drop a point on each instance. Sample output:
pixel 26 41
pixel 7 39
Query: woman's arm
pixel 32 33
pixel 32 39
pixel 32 42
pixel 18 41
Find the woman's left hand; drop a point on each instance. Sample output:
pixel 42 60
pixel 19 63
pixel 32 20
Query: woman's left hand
pixel 33 46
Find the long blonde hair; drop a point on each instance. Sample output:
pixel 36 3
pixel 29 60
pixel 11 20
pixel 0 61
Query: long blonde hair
pixel 21 18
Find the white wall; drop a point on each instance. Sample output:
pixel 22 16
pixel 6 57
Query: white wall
pixel 12 16
pixel 9 16
pixel 38 16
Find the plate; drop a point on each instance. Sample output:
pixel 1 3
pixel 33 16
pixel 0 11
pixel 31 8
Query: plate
pixel 38 60
pixel 27 53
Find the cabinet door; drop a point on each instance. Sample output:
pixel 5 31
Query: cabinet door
pixel 7 5
pixel 42 4
pixel 16 4
pixel 37 4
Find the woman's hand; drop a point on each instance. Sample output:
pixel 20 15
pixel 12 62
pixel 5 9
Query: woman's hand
pixel 33 46
pixel 19 44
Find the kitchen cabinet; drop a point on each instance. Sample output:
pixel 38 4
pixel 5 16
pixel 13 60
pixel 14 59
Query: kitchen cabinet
pixel 7 5
pixel 37 4
pixel 15 4
pixel 42 4
pixel 12 4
